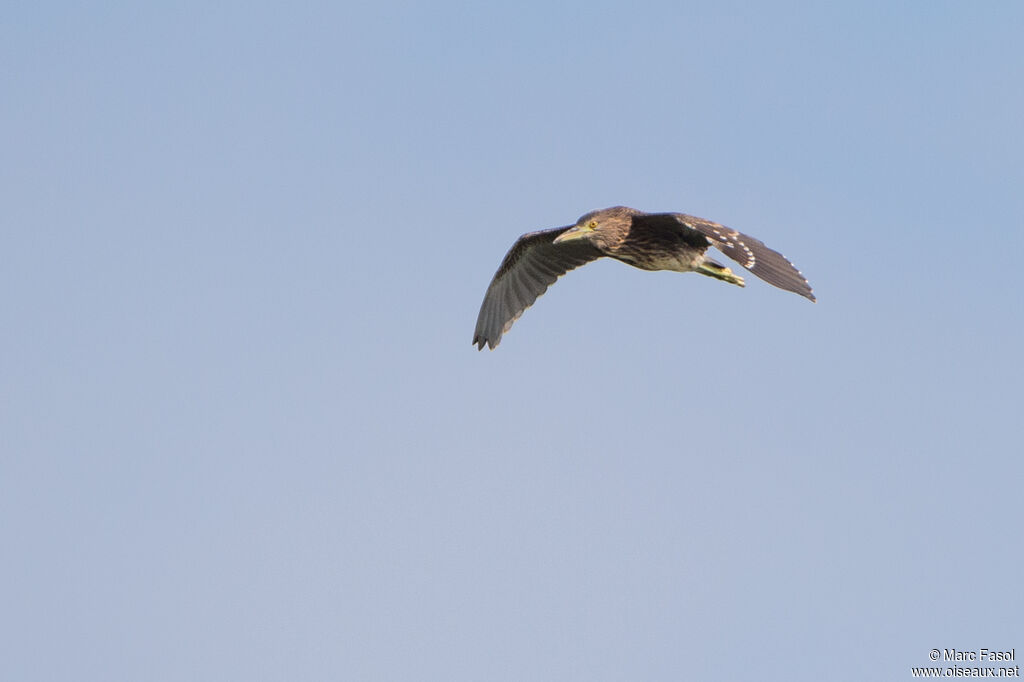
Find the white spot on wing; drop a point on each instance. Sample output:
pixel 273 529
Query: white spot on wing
pixel 751 259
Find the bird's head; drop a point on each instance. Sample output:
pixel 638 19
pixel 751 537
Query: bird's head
pixel 599 226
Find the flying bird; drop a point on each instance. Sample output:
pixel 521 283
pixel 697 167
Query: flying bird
pixel 649 241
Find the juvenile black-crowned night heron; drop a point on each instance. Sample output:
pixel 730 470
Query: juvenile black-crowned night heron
pixel 650 241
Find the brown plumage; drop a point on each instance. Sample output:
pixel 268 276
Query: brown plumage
pixel 650 241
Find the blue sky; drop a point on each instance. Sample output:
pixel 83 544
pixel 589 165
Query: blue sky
pixel 244 432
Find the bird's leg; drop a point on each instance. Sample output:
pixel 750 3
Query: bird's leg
pixel 719 271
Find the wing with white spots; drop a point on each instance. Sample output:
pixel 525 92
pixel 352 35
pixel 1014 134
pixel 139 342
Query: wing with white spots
pixel 529 268
pixel 752 254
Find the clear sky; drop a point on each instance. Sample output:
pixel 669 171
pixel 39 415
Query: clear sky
pixel 244 434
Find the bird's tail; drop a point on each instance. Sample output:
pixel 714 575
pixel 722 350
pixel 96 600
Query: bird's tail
pixel 719 271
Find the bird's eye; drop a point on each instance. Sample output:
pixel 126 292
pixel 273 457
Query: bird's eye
pixel 592 224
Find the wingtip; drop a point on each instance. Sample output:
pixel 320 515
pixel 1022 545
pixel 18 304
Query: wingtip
pixel 480 342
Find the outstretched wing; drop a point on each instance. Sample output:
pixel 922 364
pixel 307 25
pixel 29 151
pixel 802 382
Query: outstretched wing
pixel 768 264
pixel 530 267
